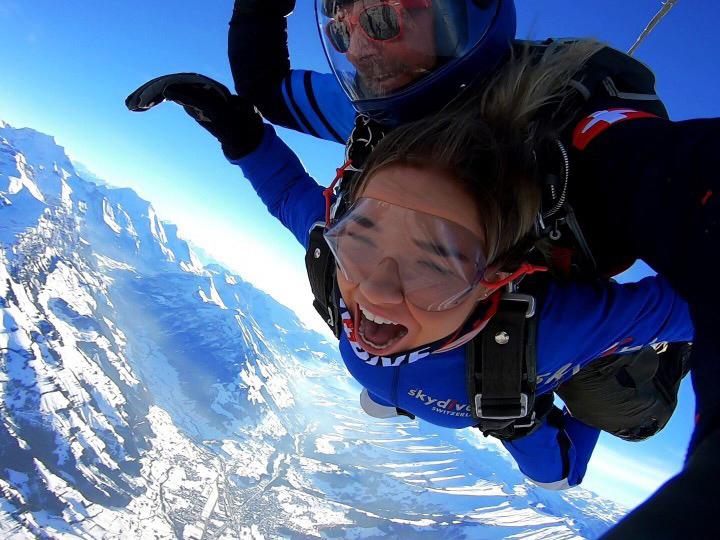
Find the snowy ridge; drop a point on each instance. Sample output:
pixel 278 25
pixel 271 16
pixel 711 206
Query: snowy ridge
pixel 143 395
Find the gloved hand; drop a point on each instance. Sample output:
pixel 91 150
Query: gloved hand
pixel 266 7
pixel 231 119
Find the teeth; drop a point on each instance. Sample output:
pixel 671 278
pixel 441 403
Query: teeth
pixel 370 316
pixel 375 318
pixel 376 345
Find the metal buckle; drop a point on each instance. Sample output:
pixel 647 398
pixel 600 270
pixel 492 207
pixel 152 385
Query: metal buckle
pixel 523 409
pixel 527 298
pixel 530 423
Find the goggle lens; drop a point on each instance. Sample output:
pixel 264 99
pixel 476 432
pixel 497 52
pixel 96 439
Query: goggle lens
pixel 438 262
pixel 380 22
pixel 339 35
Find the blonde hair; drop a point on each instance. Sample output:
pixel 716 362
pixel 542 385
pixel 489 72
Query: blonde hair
pixel 487 140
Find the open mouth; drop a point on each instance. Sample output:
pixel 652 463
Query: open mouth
pixel 381 77
pixel 389 80
pixel 376 333
pixel 374 77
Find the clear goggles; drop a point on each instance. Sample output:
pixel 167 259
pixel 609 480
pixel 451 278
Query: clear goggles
pixel 438 262
pixel 379 48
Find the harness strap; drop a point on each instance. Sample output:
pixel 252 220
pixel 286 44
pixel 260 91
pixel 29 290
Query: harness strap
pixel 501 367
pixel 320 267
pixel 612 78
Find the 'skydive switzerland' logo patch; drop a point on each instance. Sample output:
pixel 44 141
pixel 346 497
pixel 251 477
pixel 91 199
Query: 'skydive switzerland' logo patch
pixel 449 407
pixel 598 122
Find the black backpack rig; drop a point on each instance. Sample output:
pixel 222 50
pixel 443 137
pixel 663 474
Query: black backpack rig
pixel 501 360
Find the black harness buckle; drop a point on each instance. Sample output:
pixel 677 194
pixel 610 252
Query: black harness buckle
pixel 501 366
pixel 500 409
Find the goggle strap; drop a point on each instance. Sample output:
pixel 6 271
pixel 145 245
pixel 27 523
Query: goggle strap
pixel 489 313
pixel 525 270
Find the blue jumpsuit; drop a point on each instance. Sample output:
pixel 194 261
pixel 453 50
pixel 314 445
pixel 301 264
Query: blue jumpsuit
pixel 577 323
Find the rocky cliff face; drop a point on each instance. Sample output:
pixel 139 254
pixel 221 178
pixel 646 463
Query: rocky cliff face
pixel 143 395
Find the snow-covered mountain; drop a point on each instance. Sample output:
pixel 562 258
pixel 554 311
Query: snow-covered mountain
pixel 146 396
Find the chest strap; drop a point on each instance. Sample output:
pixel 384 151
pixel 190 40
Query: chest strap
pixel 501 367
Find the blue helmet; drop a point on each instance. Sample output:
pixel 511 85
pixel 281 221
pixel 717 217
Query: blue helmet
pixel 398 60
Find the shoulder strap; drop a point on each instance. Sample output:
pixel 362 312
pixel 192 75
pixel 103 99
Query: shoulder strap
pixel 609 79
pixel 320 267
pixel 612 78
pixel 501 367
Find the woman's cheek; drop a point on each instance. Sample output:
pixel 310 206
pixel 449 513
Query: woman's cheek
pixel 347 290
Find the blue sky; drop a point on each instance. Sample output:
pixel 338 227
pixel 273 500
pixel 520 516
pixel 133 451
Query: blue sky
pixel 67 66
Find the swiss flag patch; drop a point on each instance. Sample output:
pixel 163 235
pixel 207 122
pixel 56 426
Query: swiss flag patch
pixel 598 122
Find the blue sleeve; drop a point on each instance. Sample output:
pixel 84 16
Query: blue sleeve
pixel 580 322
pixel 283 185
pixel 556 455
pixel 300 100
pixel 318 105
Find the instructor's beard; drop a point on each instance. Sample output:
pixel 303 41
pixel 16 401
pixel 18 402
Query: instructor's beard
pixel 375 80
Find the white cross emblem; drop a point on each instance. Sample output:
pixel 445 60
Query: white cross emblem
pixel 606 116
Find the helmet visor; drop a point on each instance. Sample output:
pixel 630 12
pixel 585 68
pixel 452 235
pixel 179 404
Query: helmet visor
pixel 378 48
pixel 439 262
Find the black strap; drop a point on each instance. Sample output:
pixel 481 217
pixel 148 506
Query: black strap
pixel 510 430
pixel 503 346
pixel 501 368
pixel 613 78
pixel 610 78
pixel 320 267
pixel 365 136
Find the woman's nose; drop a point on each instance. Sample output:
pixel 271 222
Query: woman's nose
pixel 383 286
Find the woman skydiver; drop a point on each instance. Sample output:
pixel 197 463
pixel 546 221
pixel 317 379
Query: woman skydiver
pixel 640 186
pixel 404 59
pixel 437 225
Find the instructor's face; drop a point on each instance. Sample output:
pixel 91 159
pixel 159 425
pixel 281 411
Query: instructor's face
pixel 384 66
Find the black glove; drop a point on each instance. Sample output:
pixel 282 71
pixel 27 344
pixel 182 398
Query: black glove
pixel 231 119
pixel 266 7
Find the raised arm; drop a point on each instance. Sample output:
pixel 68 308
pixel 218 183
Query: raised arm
pixel 283 184
pixel 275 172
pixel 300 100
pixel 580 322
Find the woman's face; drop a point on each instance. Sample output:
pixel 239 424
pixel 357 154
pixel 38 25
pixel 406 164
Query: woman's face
pixel 380 294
